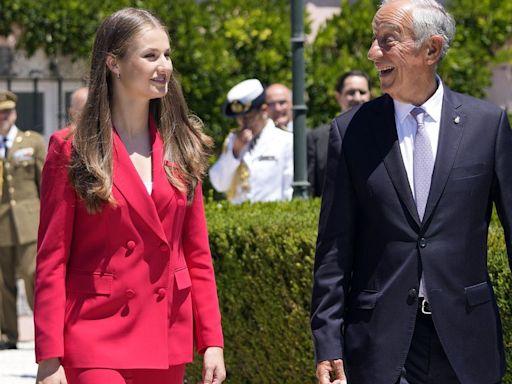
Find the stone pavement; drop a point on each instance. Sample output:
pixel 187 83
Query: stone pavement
pixel 18 366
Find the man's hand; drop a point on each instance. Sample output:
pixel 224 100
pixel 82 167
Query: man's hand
pixel 327 368
pixel 214 371
pixel 50 372
pixel 243 137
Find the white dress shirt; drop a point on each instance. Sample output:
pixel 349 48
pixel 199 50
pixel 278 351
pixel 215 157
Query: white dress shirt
pixel 11 135
pixel 269 165
pixel 406 127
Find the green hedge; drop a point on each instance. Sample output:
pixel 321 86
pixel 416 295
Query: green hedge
pixel 263 255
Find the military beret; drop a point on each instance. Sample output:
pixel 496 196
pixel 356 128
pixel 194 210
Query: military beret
pixel 244 97
pixel 7 100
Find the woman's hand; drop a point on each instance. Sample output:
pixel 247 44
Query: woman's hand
pixel 214 371
pixel 50 372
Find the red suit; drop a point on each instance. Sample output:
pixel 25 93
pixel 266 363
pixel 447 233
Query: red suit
pixel 129 287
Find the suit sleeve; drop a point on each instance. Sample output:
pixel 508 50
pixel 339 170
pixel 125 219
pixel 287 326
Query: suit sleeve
pixel 54 239
pixel 311 159
pixel 334 252
pixel 502 192
pixel 288 169
pixel 205 304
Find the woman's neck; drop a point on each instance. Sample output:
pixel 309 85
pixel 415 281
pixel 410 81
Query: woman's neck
pixel 130 117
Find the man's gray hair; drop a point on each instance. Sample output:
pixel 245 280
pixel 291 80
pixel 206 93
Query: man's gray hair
pixel 429 19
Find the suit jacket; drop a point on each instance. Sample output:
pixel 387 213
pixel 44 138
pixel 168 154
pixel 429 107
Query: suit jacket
pixel 19 197
pixel 130 287
pixel 372 247
pixel 317 144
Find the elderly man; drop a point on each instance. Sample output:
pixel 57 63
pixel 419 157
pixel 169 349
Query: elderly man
pixel 256 163
pixel 21 159
pixel 352 88
pixel 278 98
pixel 401 291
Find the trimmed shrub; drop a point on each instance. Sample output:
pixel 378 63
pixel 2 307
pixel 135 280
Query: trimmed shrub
pixel 263 255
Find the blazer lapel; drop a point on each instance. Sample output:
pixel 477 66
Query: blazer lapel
pixel 163 192
pixel 387 139
pixel 129 184
pixel 451 128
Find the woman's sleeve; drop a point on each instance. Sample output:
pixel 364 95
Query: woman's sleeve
pixel 207 322
pixel 53 247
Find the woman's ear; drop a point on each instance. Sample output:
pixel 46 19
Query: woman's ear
pixel 434 49
pixel 112 65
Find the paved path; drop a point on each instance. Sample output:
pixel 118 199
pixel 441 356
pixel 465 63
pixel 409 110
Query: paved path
pixel 18 366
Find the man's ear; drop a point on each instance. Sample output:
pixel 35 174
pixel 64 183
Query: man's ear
pixel 112 65
pixel 434 47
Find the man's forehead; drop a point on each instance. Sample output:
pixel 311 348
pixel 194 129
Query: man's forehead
pixel 396 16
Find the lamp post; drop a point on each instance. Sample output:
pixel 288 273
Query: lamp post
pixel 300 182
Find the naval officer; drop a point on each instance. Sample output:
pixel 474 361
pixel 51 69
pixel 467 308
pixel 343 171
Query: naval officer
pixel 256 163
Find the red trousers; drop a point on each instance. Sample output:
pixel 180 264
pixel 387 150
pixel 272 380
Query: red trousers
pixel 173 375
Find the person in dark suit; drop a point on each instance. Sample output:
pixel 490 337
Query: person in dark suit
pixel 401 290
pixel 352 88
pixel 125 287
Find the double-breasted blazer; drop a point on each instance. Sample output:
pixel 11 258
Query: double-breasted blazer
pixel 372 246
pixel 131 286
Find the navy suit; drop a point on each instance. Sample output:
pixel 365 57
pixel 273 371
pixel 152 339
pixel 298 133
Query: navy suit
pixel 372 246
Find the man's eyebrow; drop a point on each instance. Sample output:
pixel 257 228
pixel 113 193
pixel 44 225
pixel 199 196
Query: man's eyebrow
pixel 390 26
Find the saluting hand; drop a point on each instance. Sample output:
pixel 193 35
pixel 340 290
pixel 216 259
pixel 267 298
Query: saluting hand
pixel 327 368
pixel 243 137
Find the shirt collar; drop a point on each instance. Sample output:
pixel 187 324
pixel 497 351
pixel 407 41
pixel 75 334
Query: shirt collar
pixel 432 106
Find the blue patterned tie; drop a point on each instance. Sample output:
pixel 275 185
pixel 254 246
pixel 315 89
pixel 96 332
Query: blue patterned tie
pixel 423 162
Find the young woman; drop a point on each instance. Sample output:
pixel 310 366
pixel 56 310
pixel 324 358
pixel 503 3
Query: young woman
pixel 124 282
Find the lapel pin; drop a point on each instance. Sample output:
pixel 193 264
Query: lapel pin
pixel 456 120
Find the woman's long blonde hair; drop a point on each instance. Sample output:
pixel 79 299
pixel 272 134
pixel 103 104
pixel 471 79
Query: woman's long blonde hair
pixel 185 144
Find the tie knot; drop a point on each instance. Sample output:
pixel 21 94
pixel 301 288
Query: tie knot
pixel 419 114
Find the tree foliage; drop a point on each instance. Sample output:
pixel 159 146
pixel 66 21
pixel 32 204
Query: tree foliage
pixel 217 43
pixel 483 28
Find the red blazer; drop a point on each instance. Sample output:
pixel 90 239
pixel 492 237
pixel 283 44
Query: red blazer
pixel 130 287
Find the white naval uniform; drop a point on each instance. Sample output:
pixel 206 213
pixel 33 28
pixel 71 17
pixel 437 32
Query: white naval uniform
pixel 268 166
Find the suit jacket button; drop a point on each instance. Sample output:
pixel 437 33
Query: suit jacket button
pixel 164 247
pixel 422 242
pixel 129 293
pixel 161 293
pixel 181 202
pixel 413 293
pixel 130 245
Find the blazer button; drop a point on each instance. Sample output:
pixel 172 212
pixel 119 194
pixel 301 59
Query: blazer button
pixel 161 293
pixel 130 245
pixel 129 293
pixel 413 293
pixel 422 242
pixel 164 248
pixel 181 202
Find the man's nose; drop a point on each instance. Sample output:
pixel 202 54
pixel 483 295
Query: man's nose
pixel 374 52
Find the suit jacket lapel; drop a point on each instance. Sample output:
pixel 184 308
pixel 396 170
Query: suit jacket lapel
pixel 387 139
pixel 163 192
pixel 451 128
pixel 130 185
